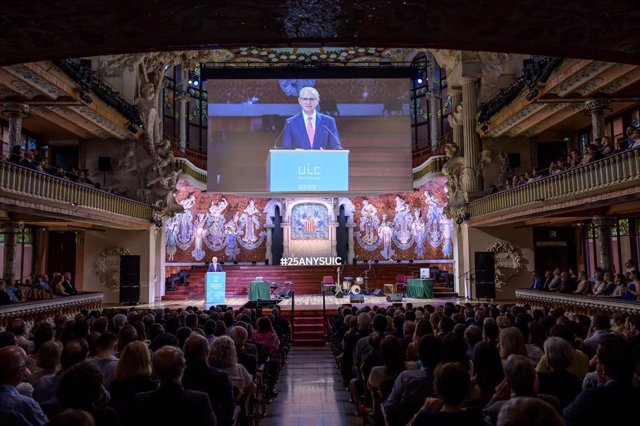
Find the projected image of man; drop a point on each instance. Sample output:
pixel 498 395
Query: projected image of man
pixel 310 129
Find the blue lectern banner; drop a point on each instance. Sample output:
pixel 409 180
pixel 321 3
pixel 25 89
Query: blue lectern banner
pixel 308 171
pixel 215 283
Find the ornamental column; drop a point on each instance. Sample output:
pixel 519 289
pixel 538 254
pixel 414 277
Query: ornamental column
pixel 269 256
pixel 596 107
pixel 456 124
pixel 16 112
pixel 470 177
pixel 433 85
pixel 9 261
pixel 183 99
pixel 604 224
pixel 351 248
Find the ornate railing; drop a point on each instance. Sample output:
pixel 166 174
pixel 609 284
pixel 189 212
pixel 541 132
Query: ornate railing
pixel 18 180
pixel 433 164
pixel 614 170
pixel 418 157
pixel 192 170
pixel 576 303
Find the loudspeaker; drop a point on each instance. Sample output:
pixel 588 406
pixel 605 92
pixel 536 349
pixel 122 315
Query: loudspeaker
pixel 104 164
pixel 394 297
pixel 339 295
pixel 514 160
pixel 485 275
pixel 129 280
pixel 377 292
pixel 356 298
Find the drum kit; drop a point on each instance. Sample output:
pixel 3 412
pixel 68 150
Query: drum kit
pixel 349 285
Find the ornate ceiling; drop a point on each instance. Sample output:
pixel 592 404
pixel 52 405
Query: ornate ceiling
pixel 604 30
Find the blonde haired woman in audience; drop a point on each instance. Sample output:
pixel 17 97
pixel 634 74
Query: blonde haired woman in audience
pixel 56 284
pixel 584 286
pixel 133 375
pixel 503 322
pixel 223 355
pixel 607 146
pixel 47 361
pixel 511 342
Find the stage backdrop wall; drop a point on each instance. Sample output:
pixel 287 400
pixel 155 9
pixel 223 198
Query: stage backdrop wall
pixel 403 226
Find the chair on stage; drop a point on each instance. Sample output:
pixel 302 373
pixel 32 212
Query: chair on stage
pixel 328 285
pixel 401 283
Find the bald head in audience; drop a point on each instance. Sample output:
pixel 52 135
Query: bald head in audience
pixel 13 365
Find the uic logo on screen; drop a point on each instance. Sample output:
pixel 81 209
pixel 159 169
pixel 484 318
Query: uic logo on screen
pixel 308 170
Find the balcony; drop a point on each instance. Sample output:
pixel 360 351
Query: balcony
pixel 41 192
pixel 600 182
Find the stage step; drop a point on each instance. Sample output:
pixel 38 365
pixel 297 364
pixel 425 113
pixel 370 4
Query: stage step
pixel 308 331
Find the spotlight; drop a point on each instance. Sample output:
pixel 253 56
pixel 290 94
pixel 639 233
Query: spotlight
pixel 419 81
pixel 195 83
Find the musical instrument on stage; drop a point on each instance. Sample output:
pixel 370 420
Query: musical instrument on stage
pixel 355 289
pixel 359 281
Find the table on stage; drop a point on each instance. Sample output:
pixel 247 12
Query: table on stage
pixel 420 288
pixel 259 290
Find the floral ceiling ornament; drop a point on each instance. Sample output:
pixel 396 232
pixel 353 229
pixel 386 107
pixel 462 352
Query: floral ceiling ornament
pixel 509 261
pixel 107 266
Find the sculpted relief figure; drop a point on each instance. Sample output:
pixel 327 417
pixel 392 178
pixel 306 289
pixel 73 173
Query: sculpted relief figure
pixel 455 118
pixel 452 169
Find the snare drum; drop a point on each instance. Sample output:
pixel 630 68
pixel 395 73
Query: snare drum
pixel 359 281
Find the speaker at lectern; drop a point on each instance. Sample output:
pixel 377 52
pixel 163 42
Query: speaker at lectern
pixel 296 170
pixel 215 285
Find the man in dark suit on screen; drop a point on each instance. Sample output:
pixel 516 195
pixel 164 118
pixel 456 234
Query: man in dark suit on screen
pixel 310 129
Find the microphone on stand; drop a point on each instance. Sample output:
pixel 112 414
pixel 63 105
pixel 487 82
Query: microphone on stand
pixel 335 138
pixel 286 123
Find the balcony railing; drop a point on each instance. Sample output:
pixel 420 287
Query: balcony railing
pixel 614 170
pixel 192 170
pixel 18 180
pixel 433 164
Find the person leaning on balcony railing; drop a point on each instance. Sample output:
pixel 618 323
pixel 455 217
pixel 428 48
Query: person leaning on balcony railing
pixel 556 281
pixel 635 137
pixel 584 286
pixel 591 154
pixel 605 287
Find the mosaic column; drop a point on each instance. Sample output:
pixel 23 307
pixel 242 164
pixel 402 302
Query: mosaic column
pixel 458 137
pixel 604 224
pixel 434 87
pixel 596 107
pixel 269 255
pixel 470 179
pixel 9 261
pixel 352 252
pixel 183 99
pixel 16 112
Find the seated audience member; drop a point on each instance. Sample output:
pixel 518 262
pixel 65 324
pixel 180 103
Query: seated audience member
pixel 538 281
pixel 133 376
pixel 451 385
pixel 67 284
pixel 605 287
pixel 607 147
pixel 519 380
pixel 223 355
pixel 81 388
pixel 567 283
pixel 105 358
pixel 580 362
pixel 200 377
pixel 635 137
pixel 584 286
pixel 589 156
pixel 239 336
pixel 527 411
pixel 16 409
pixel 616 401
pixel 47 361
pixel 72 417
pixel 265 336
pixel 56 285
pixel 511 342
pixel 600 327
pixel 393 363
pixel 487 371
pixel 171 404
pixel 559 382
pixel 556 280
pixel 411 387
pixel 44 391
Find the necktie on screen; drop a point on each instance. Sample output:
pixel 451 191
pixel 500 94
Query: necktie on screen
pixel 310 130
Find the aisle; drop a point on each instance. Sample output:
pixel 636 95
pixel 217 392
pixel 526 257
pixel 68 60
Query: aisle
pixel 311 392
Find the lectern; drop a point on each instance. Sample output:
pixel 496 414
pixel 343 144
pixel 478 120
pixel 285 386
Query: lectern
pixel 215 285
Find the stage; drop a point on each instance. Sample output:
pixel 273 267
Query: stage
pixel 303 302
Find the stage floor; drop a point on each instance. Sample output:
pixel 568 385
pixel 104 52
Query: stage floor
pixel 303 302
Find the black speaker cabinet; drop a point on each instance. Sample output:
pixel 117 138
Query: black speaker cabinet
pixel 104 164
pixel 394 297
pixel 485 275
pixel 129 280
